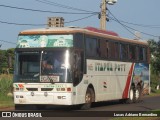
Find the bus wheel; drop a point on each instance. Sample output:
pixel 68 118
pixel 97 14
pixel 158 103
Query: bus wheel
pixel 138 94
pixel 89 98
pixel 131 96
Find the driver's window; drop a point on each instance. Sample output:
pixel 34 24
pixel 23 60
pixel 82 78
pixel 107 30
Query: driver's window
pixel 77 67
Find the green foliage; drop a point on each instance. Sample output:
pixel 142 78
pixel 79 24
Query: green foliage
pixel 155 63
pixel 154 82
pixel 155 56
pixel 5 84
pixel 5 88
pixel 6 60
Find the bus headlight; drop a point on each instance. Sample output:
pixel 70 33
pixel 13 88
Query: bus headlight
pixel 45 94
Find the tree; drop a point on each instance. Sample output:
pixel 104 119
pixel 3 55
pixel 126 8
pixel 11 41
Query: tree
pixel 155 55
pixel 6 60
pixel 155 62
pixel 10 56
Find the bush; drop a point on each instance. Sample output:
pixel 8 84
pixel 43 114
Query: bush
pixel 5 84
pixel 154 82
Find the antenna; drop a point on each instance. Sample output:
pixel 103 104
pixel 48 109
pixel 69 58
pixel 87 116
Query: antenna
pixel 111 2
pixel 138 35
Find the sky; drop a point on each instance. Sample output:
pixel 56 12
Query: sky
pixel 142 16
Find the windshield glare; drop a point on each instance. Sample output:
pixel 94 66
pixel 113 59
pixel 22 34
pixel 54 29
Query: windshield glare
pixel 44 66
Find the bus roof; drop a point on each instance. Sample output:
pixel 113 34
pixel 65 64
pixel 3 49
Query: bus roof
pixel 87 30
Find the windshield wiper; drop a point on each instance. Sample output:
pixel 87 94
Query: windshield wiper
pixel 36 75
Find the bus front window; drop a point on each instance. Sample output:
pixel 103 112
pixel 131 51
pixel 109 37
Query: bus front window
pixel 55 66
pixel 43 66
pixel 27 67
pixel 52 62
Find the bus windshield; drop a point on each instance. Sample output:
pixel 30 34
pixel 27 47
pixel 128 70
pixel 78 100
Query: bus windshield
pixel 43 66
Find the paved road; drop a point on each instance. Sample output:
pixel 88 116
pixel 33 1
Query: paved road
pixel 148 103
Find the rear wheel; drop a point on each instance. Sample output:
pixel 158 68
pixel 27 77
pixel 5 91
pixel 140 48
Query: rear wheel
pixel 89 98
pixel 138 94
pixel 131 96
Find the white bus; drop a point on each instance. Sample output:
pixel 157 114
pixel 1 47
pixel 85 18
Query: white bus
pixel 78 66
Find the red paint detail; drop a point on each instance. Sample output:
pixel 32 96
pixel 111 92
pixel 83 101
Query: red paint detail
pixel 101 31
pixel 20 85
pixel 69 89
pixel 125 92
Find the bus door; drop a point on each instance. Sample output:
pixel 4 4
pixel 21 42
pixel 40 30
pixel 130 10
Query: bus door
pixel 77 67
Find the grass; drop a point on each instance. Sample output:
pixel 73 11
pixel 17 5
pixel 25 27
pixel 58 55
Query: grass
pixel 6 101
pixel 155 92
pixel 5 88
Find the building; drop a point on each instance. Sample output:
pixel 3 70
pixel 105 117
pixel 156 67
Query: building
pixel 55 22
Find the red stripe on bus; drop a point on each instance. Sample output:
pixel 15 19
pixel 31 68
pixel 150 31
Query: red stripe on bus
pixel 125 92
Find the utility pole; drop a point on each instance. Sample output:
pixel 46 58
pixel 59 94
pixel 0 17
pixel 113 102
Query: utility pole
pixel 103 14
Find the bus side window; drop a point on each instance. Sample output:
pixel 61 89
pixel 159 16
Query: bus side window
pixel 107 49
pixel 137 53
pixel 142 54
pixel 91 47
pixel 112 51
pixel 132 52
pixel 123 51
pixel 78 40
pixel 102 48
pixel 145 54
pixel 116 50
pixel 141 57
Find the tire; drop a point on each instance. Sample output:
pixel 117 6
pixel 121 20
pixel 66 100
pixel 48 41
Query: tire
pixel 138 94
pixel 131 96
pixel 89 98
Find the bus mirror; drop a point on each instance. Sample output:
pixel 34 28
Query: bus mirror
pixel 63 66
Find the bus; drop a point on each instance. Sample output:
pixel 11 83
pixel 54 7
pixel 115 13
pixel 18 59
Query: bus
pixel 79 66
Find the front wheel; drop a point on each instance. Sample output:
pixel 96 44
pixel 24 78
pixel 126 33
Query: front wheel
pixel 89 98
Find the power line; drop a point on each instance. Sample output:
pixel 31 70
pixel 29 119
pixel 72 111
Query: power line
pixel 127 27
pixel 7 42
pixel 142 32
pixel 80 19
pixel 27 24
pixel 136 29
pixel 40 24
pixel 23 24
pixel 44 11
pixel 61 5
pixel 121 24
pixel 139 25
